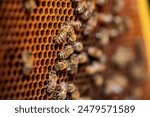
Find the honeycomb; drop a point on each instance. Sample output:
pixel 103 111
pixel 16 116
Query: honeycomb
pixel 34 32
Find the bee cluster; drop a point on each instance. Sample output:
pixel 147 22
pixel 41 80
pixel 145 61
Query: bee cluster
pixel 62 90
pixel 68 59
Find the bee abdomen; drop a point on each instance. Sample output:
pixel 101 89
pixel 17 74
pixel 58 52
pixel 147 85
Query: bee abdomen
pixel 61 65
pixel 81 8
pixel 66 52
pixel 61 38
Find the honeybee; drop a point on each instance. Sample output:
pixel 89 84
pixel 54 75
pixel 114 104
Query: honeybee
pixel 104 36
pixel 78 46
pixel 27 62
pixel 101 2
pixel 91 24
pixel 68 50
pixel 94 68
pixel 123 56
pixel 52 81
pixel 114 33
pixel 98 80
pixel 118 5
pixel 75 95
pixel 52 76
pixel 81 7
pixel 61 37
pixel 83 58
pixel 51 86
pixel 122 25
pixel 106 18
pixel 86 15
pixel 29 5
pixel 90 8
pixel 137 72
pixel 62 94
pixel 71 36
pixel 63 86
pixel 95 52
pixel 116 84
pixel 74 61
pixel 62 65
pixel 75 24
pixel 71 88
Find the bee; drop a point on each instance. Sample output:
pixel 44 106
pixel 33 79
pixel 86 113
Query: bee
pixel 90 8
pixel 51 86
pixel 75 24
pixel 74 61
pixel 75 95
pixel 63 86
pixel 95 67
pixel 122 25
pixel 101 2
pixel 95 52
pixel 83 58
pixel 29 5
pixel 105 18
pixel 98 80
pixel 62 94
pixel 68 50
pixel 71 88
pixel 137 72
pixel 114 33
pixel 81 7
pixel 78 46
pixel 52 81
pixel 86 15
pixel 91 24
pixel 116 84
pixel 123 56
pixel 62 65
pixel 118 5
pixel 104 36
pixel 27 62
pixel 71 36
pixel 52 76
pixel 62 36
